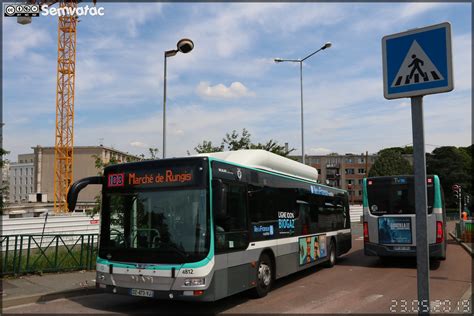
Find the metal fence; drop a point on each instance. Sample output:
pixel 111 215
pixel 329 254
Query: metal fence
pixel 47 253
pixel 466 230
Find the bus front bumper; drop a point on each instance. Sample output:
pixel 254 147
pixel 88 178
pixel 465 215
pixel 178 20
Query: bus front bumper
pixel 156 294
pixel 371 249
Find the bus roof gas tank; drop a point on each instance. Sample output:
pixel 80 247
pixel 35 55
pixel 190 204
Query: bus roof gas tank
pixel 264 160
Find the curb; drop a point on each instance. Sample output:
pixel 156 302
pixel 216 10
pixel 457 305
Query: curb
pixel 45 297
pixel 467 295
pixel 464 245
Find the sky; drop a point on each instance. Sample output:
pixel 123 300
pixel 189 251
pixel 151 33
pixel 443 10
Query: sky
pixel 230 81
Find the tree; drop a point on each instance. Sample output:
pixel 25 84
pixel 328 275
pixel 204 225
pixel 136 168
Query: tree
pixel 207 147
pixel 235 141
pixel 3 188
pixel 453 166
pixel 407 150
pixel 274 147
pixel 153 154
pixel 390 163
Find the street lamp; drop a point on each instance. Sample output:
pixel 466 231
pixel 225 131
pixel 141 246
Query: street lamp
pixel 184 46
pixel 280 60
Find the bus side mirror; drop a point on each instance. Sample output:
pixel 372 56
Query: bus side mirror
pixel 77 186
pixel 219 191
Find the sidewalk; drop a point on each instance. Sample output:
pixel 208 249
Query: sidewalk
pixel 50 286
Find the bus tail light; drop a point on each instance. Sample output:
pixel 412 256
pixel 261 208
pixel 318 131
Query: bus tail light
pixel 366 232
pixel 439 232
pixel 198 292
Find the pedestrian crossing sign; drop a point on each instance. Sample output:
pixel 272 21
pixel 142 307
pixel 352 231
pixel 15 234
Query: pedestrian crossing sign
pixel 418 62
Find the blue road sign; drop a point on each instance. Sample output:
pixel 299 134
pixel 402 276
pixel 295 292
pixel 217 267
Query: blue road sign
pixel 418 62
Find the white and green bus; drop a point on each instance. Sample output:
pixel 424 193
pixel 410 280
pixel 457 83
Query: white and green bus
pixel 389 217
pixel 209 226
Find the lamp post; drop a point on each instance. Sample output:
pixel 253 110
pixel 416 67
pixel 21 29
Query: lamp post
pixel 300 61
pixel 184 46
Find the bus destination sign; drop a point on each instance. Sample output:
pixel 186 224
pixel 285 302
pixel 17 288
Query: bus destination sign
pixel 152 178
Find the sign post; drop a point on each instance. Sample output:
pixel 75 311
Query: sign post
pixel 415 63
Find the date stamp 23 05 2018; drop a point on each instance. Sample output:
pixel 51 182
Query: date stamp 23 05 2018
pixel 436 306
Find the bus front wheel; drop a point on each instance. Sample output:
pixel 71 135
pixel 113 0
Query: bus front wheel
pixel 264 276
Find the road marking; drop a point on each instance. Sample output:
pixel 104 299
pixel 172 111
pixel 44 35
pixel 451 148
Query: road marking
pixel 360 238
pixel 372 298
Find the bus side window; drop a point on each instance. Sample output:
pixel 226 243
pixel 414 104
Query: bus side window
pixel 340 214
pixel 305 218
pixel 231 224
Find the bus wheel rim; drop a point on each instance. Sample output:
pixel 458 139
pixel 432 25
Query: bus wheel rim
pixel 264 274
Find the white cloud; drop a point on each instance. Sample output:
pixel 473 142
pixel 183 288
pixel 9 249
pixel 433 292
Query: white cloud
pixel 414 9
pixel 220 91
pixel 135 15
pixel 20 39
pixel 138 144
pixel 92 74
pixel 462 52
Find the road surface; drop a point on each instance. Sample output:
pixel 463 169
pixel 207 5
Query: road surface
pixel 357 284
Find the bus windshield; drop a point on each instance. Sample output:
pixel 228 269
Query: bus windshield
pixel 395 196
pixel 160 226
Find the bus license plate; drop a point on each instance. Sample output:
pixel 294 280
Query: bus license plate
pixel 403 248
pixel 142 293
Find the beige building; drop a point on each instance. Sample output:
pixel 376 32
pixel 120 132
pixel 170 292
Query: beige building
pixel 84 166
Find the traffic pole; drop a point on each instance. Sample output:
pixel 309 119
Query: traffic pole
pixel 419 161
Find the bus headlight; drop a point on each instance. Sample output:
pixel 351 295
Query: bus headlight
pixel 194 282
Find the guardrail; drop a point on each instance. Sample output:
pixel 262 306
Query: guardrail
pixel 47 253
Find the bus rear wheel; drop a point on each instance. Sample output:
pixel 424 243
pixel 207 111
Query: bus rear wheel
pixel 332 255
pixel 264 276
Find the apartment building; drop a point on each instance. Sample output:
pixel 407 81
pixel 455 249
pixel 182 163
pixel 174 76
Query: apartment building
pixel 21 178
pixel 345 171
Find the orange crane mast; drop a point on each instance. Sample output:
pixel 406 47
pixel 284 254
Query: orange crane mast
pixel 66 76
pixel 64 135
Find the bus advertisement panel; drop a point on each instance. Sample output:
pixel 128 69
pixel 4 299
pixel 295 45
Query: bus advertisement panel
pixel 395 230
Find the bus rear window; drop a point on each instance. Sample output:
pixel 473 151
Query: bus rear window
pixel 394 198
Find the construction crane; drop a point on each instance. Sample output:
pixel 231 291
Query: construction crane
pixel 66 76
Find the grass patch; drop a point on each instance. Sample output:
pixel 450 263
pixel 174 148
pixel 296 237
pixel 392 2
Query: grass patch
pixel 52 259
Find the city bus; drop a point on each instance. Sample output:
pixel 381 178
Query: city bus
pixel 389 224
pixel 208 226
